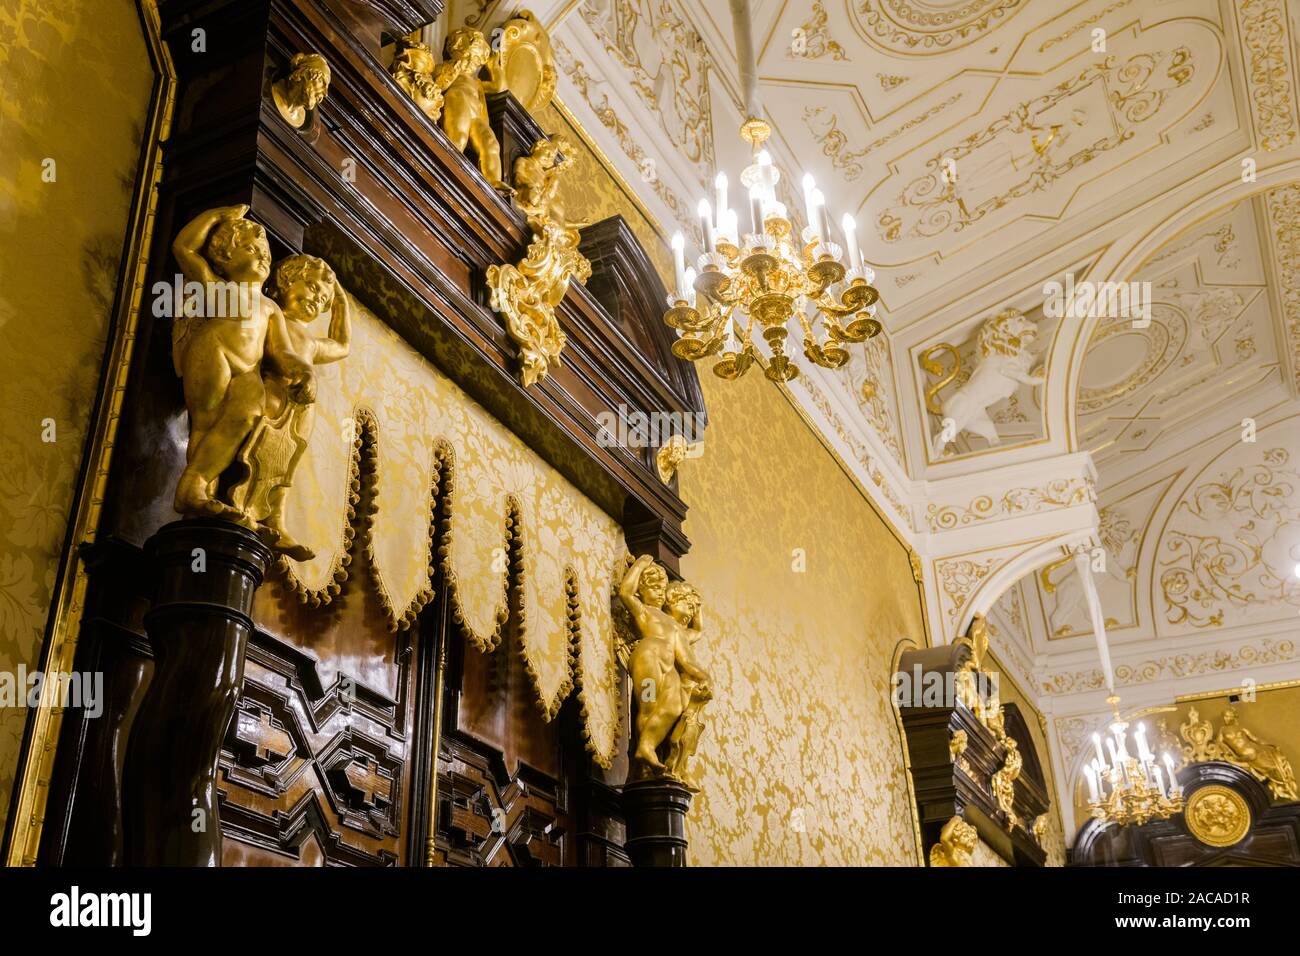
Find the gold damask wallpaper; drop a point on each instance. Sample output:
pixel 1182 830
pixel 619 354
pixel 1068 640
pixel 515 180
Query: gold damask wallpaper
pixel 75 79
pixel 806 595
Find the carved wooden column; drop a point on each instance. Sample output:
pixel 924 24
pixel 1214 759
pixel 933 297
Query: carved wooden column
pixel 656 822
pixel 206 572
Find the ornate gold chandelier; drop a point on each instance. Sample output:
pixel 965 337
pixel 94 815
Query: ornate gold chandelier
pixel 1126 787
pixel 769 280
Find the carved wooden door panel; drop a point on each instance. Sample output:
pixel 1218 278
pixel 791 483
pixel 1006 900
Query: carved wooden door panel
pixel 316 768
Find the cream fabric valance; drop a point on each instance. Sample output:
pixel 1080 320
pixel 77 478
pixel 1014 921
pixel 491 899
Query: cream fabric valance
pixel 512 521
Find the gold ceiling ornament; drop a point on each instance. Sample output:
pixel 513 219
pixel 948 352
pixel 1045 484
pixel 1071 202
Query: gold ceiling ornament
pixel 298 94
pixel 522 61
pixel 669 688
pixel 527 294
pixel 671 454
pixel 1130 788
pixel 1235 744
pixel 768 280
pixel 1217 816
pixel 957 841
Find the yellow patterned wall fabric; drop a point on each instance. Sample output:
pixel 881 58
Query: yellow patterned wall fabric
pixel 807 592
pixel 75 80
pixel 985 855
pixel 427 442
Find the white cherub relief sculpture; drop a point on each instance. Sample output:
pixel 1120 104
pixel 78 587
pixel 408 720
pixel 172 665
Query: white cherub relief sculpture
pixel 1004 365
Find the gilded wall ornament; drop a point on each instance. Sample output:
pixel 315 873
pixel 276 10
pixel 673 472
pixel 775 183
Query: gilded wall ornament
pixel 1217 816
pixel 522 62
pixel 957 842
pixel 669 688
pixel 1004 781
pixel 1005 358
pixel 464 104
pixel 219 356
pixel 528 293
pixel 670 455
pixel 297 95
pixel 1264 761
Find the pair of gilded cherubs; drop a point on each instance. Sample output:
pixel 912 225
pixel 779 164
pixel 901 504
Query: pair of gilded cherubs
pixel 247 369
pixel 669 688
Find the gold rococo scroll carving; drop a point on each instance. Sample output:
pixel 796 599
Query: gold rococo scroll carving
pixel 527 294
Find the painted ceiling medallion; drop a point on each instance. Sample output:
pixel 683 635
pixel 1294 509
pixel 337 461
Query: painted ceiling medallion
pixel 937 26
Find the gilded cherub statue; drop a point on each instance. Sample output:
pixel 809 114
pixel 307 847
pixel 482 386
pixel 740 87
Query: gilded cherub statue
pixel 306 289
pixel 220 357
pixel 413 68
pixel 956 843
pixel 303 89
pixel 1265 761
pixel 464 107
pixel 537 180
pixel 669 688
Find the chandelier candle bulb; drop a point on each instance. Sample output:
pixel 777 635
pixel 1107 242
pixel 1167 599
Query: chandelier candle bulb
pixel 706 223
pixel 810 201
pixel 679 263
pixel 688 291
pixel 823 215
pixel 756 207
pixel 720 194
pixel 851 240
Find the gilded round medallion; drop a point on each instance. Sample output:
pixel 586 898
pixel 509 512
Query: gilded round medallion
pixel 1217 815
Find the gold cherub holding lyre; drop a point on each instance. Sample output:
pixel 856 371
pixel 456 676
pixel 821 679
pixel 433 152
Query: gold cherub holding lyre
pixel 669 688
pixel 306 289
pixel 220 356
